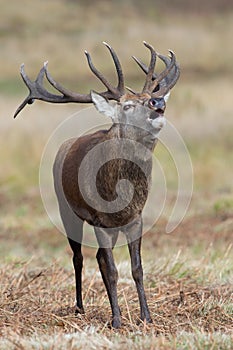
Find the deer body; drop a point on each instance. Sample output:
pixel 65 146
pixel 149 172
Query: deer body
pixel 106 181
pixel 137 120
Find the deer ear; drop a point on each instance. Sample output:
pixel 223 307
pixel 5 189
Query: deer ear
pixel 103 106
pixel 166 97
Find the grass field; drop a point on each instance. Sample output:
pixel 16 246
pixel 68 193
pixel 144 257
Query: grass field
pixel 189 273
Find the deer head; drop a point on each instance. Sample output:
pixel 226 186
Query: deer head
pixel 144 109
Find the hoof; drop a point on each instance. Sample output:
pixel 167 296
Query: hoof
pixel 147 320
pixel 116 322
pixel 79 311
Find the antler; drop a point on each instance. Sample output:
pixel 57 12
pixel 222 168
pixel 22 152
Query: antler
pixel 37 91
pixel 159 85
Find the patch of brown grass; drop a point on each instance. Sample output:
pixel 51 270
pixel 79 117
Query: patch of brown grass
pixel 187 281
pixel 40 300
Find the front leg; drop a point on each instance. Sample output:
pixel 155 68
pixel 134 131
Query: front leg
pixel 133 235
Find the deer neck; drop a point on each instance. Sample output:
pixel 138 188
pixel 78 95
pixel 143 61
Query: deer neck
pixel 132 132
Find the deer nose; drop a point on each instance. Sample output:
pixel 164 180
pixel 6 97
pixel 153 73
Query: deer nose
pixel 157 104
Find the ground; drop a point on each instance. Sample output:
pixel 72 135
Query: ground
pixel 187 280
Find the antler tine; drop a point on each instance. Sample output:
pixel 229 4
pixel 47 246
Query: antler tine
pixel 120 86
pixel 151 68
pixel 143 66
pixel 131 90
pixel 166 71
pixel 36 89
pixel 119 90
pixel 28 99
pixel 176 77
pixel 173 71
pixel 170 74
pixel 166 60
pixel 59 87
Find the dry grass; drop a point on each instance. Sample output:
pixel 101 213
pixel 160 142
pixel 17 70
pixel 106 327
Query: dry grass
pixel 188 284
pixel 177 305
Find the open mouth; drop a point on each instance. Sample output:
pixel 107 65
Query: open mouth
pixel 160 111
pixel 156 114
pixel 157 119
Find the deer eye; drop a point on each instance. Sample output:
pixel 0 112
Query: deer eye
pixel 127 107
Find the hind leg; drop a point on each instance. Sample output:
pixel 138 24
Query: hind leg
pixel 74 231
pixel 78 265
pixel 108 270
pixel 73 225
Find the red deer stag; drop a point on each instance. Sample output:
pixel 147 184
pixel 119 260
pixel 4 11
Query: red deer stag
pixel 137 118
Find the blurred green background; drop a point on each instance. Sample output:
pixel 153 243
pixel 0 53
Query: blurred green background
pixel 199 32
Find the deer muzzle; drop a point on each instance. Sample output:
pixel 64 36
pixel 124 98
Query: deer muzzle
pixel 158 105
